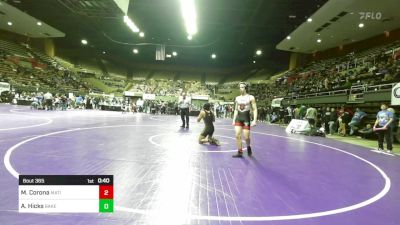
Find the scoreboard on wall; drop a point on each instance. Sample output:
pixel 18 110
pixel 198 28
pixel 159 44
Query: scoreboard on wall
pixel 66 194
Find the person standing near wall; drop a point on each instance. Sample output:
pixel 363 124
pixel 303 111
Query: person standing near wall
pixel 382 128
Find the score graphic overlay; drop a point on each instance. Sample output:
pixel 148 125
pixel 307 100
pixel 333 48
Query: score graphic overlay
pixel 66 194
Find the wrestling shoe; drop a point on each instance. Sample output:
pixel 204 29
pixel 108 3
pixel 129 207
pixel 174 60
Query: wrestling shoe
pixel 215 142
pixel 239 154
pixel 249 151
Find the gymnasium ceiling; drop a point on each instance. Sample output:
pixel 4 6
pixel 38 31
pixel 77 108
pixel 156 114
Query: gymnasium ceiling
pixel 337 23
pixel 232 29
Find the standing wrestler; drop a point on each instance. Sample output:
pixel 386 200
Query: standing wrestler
pixel 241 118
pixel 184 105
pixel 207 134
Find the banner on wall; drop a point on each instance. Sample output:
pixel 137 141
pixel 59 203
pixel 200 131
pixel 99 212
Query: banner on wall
pixel 395 96
pixel 200 97
pixel 4 86
pixel 132 94
pixel 227 103
pixel 149 97
pixel 187 97
pixel 276 102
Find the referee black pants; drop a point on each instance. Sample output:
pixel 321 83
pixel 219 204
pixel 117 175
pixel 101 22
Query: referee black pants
pixel 185 114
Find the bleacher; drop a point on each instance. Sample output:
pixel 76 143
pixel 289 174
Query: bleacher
pixel 44 58
pixel 351 74
pixel 163 75
pixel 341 73
pixel 13 49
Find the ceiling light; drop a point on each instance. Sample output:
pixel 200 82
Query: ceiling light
pixel 309 20
pixel 104 52
pixel 168 55
pixel 174 53
pixel 83 41
pixel 254 61
pixel 361 25
pixel 39 23
pixel 189 37
pixel 288 37
pixel 319 40
pixel 213 56
pixel 258 52
pixel 131 24
pixel 141 34
pixel 9 23
pixel 135 51
pixel 189 15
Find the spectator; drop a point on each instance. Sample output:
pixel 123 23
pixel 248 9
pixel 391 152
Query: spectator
pixel 356 120
pixel 302 112
pixel 48 99
pixel 325 119
pixel 343 119
pixel 366 132
pixel 289 113
pixel 296 112
pixel 274 117
pixel 282 115
pixel 382 128
pixel 311 116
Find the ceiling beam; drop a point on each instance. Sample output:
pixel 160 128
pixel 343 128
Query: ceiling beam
pixel 251 19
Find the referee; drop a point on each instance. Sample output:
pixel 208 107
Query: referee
pixel 184 105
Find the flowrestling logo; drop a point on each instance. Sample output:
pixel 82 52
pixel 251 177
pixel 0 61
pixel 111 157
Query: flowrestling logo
pixel 370 15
